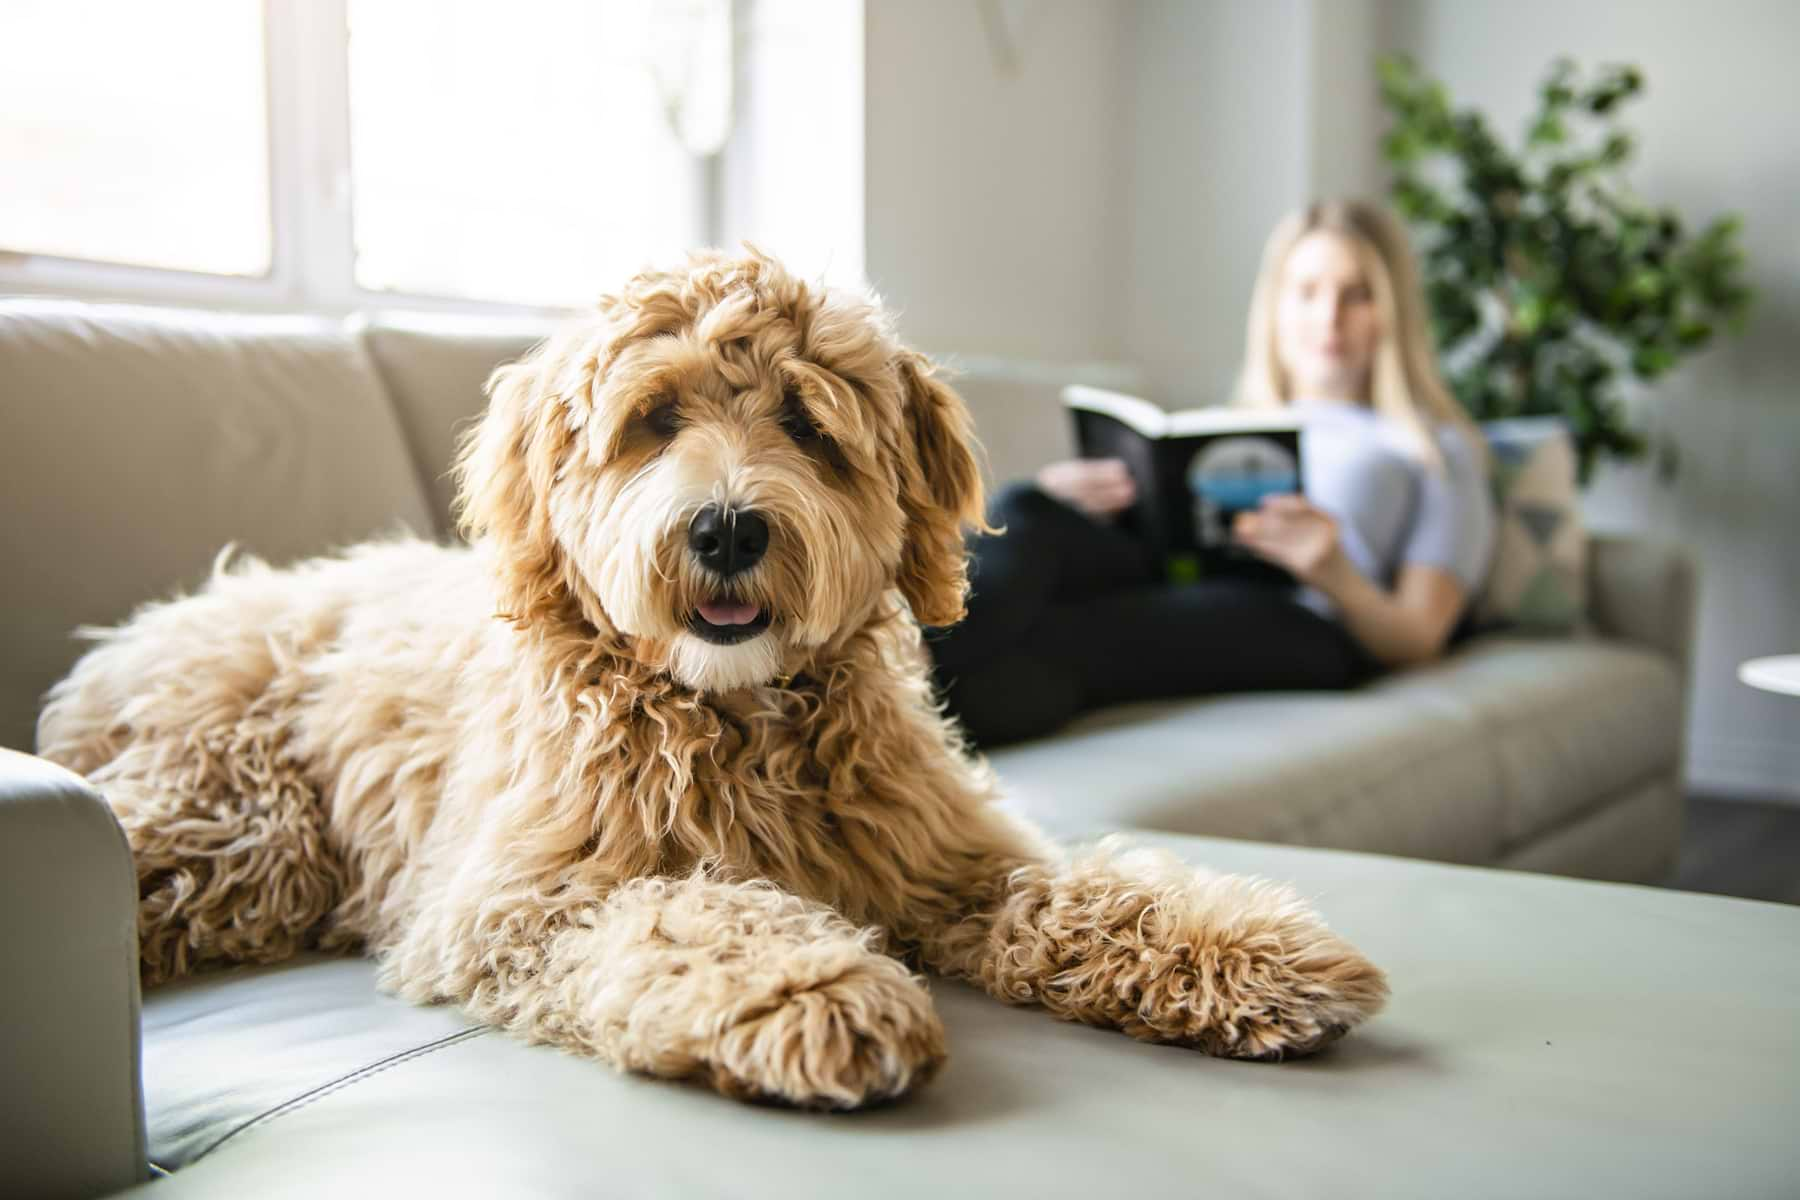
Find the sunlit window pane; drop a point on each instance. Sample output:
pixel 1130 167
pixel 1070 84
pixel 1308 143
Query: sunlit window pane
pixel 135 132
pixel 796 183
pixel 524 151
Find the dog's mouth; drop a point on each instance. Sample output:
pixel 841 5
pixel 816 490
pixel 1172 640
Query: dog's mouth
pixel 725 622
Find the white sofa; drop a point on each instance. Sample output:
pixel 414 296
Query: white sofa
pixel 1516 1058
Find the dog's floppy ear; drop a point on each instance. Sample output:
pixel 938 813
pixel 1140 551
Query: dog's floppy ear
pixel 505 466
pixel 941 492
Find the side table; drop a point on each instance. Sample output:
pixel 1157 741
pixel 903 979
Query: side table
pixel 1780 673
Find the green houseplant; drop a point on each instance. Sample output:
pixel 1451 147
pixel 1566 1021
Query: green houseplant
pixel 1549 283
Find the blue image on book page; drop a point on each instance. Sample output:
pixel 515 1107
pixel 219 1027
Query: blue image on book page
pixel 1232 474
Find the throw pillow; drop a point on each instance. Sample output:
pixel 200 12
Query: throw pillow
pixel 1538 580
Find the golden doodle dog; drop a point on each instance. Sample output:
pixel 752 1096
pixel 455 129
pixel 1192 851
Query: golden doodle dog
pixel 653 770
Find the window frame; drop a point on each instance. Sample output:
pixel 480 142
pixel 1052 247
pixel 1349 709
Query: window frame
pixel 306 48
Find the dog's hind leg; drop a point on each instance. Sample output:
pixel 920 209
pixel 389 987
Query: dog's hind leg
pixel 184 720
pixel 229 841
pixel 227 833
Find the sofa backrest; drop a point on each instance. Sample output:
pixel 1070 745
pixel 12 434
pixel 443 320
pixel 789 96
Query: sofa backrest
pixel 436 370
pixel 136 443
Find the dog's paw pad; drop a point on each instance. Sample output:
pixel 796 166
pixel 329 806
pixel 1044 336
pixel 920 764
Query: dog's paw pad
pixel 1277 1042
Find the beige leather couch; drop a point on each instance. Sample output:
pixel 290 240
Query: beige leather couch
pixel 138 442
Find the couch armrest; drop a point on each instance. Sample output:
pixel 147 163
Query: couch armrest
pixel 1643 591
pixel 68 936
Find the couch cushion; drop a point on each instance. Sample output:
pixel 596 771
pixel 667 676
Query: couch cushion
pixel 306 1025
pixel 1538 580
pixel 1632 836
pixel 436 368
pixel 1546 1037
pixel 1462 761
pixel 1567 723
pixel 1363 770
pixel 140 441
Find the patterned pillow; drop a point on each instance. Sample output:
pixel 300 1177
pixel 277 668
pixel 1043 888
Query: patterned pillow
pixel 1538 580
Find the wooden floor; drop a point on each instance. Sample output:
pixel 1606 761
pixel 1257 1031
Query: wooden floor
pixel 1736 847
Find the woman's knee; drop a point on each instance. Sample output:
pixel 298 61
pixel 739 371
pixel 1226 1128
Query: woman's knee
pixel 1025 513
pixel 1012 698
pixel 1021 502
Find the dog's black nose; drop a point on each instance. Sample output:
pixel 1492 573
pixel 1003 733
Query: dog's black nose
pixel 728 540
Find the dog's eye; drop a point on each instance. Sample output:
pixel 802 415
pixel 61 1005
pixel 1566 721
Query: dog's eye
pixel 796 424
pixel 664 420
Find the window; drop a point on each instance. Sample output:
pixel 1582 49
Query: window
pixel 335 154
pixel 466 115
pixel 128 141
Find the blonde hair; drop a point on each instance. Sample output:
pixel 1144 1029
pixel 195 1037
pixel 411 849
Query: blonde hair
pixel 1404 382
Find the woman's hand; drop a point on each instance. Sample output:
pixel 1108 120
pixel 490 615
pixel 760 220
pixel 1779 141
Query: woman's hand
pixel 1099 487
pixel 1291 532
pixel 1408 624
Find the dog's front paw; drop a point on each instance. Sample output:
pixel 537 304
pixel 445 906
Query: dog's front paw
pixel 839 1039
pixel 1234 966
pixel 1289 1003
pixel 1253 973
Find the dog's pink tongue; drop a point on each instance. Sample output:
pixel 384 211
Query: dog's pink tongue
pixel 728 614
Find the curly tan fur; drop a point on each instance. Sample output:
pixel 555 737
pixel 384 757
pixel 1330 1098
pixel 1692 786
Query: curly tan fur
pixel 518 774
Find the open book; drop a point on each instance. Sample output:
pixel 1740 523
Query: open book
pixel 1195 470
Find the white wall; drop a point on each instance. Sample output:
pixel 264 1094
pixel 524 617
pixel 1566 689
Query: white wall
pixel 1345 113
pixel 1219 118
pixel 993 194
pixel 1719 128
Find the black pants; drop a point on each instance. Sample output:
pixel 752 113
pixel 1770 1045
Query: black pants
pixel 1068 614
